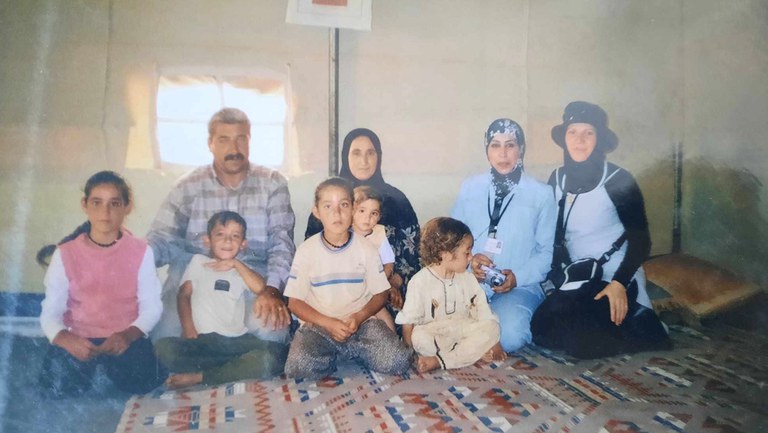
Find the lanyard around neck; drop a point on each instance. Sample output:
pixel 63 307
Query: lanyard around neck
pixel 562 221
pixel 495 216
pixel 568 215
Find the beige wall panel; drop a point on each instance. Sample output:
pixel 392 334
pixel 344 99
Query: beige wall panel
pixel 726 90
pixel 53 61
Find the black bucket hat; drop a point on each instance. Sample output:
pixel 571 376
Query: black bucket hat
pixel 584 112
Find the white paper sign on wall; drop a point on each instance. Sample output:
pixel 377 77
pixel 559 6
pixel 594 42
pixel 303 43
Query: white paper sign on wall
pixel 348 14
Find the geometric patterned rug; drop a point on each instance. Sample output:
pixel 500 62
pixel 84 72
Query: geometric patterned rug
pixel 716 383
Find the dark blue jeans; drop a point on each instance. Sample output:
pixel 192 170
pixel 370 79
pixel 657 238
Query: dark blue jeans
pixel 136 371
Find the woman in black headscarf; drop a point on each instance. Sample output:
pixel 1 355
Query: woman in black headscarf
pixel 361 164
pixel 600 306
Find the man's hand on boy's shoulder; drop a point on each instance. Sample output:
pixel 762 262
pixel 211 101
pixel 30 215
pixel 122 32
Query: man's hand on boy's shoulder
pixel 222 265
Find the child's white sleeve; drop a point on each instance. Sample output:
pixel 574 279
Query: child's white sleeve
pixel 56 294
pixel 478 297
pixel 148 294
pixel 375 279
pixel 192 270
pixel 386 253
pixel 413 309
pixel 298 284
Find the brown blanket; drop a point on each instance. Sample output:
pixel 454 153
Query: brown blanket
pixel 699 286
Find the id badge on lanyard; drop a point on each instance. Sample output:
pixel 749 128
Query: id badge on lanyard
pixel 492 244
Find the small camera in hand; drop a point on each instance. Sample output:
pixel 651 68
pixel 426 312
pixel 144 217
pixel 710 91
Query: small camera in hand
pixel 493 276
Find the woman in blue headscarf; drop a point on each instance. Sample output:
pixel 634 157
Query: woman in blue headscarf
pixel 512 218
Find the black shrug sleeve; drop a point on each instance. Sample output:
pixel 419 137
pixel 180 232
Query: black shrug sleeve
pixel 625 194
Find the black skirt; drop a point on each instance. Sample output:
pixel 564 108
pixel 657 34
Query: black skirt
pixel 574 322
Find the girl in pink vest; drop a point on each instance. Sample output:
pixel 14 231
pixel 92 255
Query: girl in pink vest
pixel 102 297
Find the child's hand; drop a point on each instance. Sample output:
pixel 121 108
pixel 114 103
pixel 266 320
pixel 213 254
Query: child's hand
pixel 353 323
pixel 395 280
pixel 221 265
pixel 189 334
pixel 117 343
pixel 395 298
pixel 77 346
pixel 339 330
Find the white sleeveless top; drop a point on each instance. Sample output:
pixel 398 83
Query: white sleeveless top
pixel 593 225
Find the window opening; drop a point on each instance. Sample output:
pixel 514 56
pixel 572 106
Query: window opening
pixel 185 103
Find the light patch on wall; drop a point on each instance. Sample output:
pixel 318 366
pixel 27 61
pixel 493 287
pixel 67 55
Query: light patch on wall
pixel 185 103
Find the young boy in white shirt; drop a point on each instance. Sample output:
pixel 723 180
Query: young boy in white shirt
pixel 215 346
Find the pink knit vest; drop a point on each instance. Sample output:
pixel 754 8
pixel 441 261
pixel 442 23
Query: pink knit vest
pixel 103 285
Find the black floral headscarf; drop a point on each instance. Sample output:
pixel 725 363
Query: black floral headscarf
pixel 397 214
pixel 504 183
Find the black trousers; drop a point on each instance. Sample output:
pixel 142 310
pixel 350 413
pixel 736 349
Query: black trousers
pixel 574 322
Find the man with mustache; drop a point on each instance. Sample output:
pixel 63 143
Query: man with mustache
pixel 260 195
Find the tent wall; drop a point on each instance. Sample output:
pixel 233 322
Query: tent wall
pixel 78 80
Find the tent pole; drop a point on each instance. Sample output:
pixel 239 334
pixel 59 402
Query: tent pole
pixel 333 102
pixel 676 218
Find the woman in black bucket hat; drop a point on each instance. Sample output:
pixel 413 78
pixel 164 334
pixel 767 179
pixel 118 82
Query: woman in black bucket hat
pixel 599 305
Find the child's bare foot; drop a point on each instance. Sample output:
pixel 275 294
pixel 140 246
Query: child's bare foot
pixel 495 353
pixel 183 380
pixel 427 363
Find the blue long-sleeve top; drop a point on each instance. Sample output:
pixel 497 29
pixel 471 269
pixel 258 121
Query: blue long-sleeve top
pixel 527 227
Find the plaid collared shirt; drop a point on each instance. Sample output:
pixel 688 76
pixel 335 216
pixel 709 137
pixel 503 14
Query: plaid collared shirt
pixel 262 200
